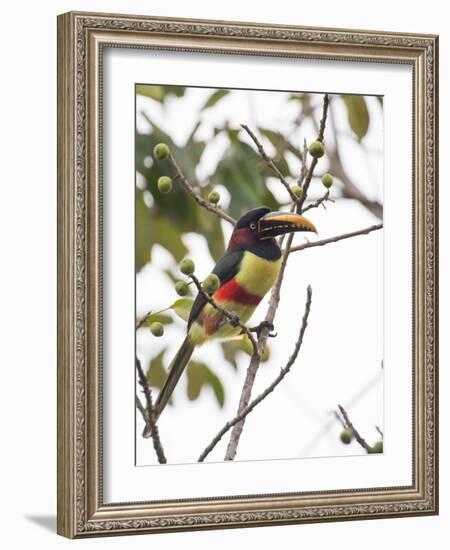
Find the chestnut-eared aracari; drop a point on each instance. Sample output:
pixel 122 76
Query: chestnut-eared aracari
pixel 246 271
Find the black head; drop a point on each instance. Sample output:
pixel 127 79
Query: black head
pixel 250 219
pixel 256 229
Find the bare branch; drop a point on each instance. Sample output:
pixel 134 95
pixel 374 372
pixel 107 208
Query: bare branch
pixel 196 195
pixel 232 318
pixel 270 163
pixel 270 388
pixel 337 238
pixel 312 167
pixel 379 431
pixel 355 432
pixel 318 202
pixel 150 420
pixel 140 407
pixel 304 168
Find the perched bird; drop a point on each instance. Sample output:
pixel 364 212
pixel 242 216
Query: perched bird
pixel 247 271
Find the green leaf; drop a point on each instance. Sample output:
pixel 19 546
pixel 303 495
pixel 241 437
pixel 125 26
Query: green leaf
pixel 153 92
pixel 231 349
pixel 214 98
pixel 200 375
pixel 244 173
pixel 357 113
pixel 157 318
pixel 151 229
pixel 159 93
pixel 182 308
pixel 281 146
pixel 210 227
pixel 156 372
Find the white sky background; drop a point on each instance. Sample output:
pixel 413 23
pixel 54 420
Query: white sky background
pixel 340 360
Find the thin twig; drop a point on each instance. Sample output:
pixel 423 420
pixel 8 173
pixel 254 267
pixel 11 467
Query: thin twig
pixel 140 407
pixel 354 431
pixel 196 195
pixel 318 202
pixel 270 388
pixel 337 238
pixel 270 163
pixel 151 418
pixel 379 431
pixel 233 318
pixel 141 322
pixel 304 168
pixel 320 136
pixel 255 360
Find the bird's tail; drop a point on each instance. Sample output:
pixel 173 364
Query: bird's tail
pixel 176 369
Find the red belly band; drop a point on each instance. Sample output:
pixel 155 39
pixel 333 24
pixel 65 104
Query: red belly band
pixel 232 292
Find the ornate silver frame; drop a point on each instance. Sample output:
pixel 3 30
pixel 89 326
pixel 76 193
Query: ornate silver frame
pixel 81 37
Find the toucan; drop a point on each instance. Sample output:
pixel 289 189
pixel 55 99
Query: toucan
pixel 247 271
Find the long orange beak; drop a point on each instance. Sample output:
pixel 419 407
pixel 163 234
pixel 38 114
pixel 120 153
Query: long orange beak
pixel 277 223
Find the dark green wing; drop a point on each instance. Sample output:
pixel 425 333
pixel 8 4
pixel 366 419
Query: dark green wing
pixel 226 268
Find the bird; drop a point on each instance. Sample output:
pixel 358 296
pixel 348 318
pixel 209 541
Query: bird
pixel 247 271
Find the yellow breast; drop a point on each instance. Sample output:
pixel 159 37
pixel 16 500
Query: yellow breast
pixel 256 274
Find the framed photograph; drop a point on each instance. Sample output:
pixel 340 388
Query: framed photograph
pixel 247 274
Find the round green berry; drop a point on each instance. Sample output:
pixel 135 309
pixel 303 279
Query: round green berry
pixel 316 149
pixel 211 283
pixel 181 288
pixel 377 447
pixel 298 191
pixel 346 436
pixel 161 151
pixel 165 184
pixel 214 197
pixel 187 266
pixel 157 329
pixel 327 180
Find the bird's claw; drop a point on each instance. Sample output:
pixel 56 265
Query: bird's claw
pixel 264 325
pixel 234 320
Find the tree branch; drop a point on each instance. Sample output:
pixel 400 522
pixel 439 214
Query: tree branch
pixel 355 432
pixel 312 167
pixel 196 195
pixel 232 318
pixel 270 163
pixel 151 423
pixel 255 360
pixel 337 238
pixel 318 202
pixel 270 388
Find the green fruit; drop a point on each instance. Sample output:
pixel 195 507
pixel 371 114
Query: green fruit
pixel 157 329
pixel 298 191
pixel 377 447
pixel 247 346
pixel 327 180
pixel 211 283
pixel 181 288
pixel 165 184
pixel 316 149
pixel 265 354
pixel 214 197
pixel 187 266
pixel 346 436
pixel 161 151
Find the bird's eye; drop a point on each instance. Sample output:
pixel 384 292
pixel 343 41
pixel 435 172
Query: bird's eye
pixel 253 226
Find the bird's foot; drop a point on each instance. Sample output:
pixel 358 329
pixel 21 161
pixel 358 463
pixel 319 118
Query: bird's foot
pixel 264 325
pixel 234 320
